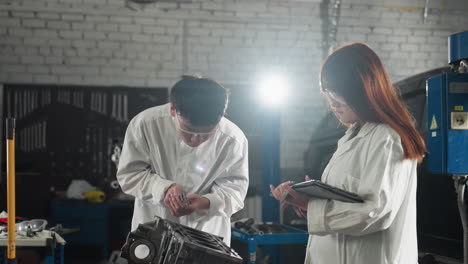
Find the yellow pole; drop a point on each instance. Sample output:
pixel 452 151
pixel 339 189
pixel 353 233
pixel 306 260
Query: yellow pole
pixel 11 206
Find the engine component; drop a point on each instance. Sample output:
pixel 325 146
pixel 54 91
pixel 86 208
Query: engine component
pixel 165 242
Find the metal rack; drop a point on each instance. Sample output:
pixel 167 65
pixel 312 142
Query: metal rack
pixel 291 236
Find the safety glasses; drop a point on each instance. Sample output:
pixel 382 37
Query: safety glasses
pixel 336 100
pixel 179 126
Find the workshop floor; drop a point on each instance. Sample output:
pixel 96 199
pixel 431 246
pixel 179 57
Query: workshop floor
pixel 87 262
pixel 93 261
pixel 90 261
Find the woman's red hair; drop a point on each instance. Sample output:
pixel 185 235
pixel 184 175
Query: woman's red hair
pixel 356 73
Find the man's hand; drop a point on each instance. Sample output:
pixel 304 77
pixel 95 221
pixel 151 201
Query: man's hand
pixel 175 198
pixel 173 190
pixel 195 203
pixel 198 202
pixel 181 204
pixel 181 211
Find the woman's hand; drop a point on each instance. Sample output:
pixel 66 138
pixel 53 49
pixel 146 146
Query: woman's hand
pixel 299 212
pixel 296 199
pixel 278 191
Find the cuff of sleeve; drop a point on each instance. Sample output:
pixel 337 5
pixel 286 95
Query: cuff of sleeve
pixel 316 209
pixel 159 188
pixel 215 203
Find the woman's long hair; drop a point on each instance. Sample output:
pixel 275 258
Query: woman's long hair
pixel 357 74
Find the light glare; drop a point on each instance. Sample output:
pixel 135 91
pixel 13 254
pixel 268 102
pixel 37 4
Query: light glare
pixel 272 89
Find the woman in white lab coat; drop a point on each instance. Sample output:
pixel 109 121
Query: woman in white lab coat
pixel 376 159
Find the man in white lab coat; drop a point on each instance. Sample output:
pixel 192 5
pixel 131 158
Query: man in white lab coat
pixel 185 162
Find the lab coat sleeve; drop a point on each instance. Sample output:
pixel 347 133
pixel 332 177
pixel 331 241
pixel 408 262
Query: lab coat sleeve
pixel 229 190
pixel 383 185
pixel 135 174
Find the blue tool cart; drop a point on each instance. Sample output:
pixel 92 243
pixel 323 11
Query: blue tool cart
pixel 290 236
pixel 49 242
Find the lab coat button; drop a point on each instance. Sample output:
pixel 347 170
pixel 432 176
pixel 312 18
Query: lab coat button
pixel 372 214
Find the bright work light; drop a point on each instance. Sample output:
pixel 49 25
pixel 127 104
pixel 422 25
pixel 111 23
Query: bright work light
pixel 272 89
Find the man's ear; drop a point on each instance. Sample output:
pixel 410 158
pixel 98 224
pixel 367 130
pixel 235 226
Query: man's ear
pixel 173 110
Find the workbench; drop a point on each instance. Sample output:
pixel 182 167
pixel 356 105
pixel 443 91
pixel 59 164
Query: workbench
pixel 292 236
pixel 49 241
pixel 104 225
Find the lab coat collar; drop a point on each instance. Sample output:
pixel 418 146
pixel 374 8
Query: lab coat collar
pixel 345 144
pixel 365 129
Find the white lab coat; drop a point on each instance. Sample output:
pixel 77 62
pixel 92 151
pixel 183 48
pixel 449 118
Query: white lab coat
pixel 382 229
pixel 154 157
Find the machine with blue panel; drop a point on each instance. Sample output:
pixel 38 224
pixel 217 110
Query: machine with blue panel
pixel 447 123
pixel 447 108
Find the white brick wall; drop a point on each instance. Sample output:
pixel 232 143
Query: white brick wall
pixel 101 42
pixel 406 42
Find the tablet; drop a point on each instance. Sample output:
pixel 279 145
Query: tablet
pixel 318 189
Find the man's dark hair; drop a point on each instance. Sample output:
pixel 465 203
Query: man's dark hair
pixel 201 100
